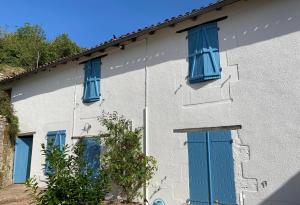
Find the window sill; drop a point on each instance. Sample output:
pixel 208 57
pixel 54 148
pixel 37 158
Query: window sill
pixel 91 100
pixel 203 79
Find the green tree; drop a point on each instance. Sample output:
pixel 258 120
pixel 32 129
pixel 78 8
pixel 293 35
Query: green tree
pixel 24 48
pixel 63 46
pixel 31 45
pixel 123 158
pixel 28 47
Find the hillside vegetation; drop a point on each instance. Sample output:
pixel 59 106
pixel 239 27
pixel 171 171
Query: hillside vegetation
pixel 27 48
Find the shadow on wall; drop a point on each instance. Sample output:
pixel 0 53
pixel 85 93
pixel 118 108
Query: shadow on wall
pixel 155 50
pixel 45 82
pixel 288 194
pixel 248 22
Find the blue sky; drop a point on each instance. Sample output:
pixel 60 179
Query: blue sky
pixel 89 22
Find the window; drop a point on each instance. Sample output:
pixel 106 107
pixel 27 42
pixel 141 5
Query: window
pixel 91 92
pixel 56 138
pixel 204 58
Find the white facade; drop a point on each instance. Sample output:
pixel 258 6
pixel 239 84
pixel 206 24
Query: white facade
pixel 259 90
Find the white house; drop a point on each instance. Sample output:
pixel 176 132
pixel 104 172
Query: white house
pixel 217 91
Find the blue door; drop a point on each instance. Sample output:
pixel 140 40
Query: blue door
pixel 211 171
pixel 23 149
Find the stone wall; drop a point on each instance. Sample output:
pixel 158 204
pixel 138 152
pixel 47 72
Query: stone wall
pixel 6 154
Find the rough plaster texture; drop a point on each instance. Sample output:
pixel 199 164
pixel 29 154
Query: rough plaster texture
pixel 146 82
pixel 6 155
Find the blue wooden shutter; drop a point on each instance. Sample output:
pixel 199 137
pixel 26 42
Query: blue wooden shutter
pixel 91 92
pixel 211 171
pixel 222 168
pixel 92 154
pixel 57 138
pixel 204 57
pixel 60 139
pixel 87 76
pixel 195 44
pixel 198 168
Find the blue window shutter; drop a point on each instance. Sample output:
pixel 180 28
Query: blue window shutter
pixel 51 138
pixel 204 57
pixel 87 76
pixel 211 171
pixel 91 92
pixel 195 45
pixel 211 56
pixel 198 172
pixel 60 139
pixel 92 154
pixel 57 138
pixel 222 168
pixel 95 81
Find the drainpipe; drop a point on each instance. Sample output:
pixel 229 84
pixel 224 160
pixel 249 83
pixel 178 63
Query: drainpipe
pixel 145 140
pixel 74 99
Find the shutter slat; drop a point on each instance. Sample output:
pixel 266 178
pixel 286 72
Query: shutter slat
pixel 198 172
pixel 212 62
pixel 87 70
pixel 222 167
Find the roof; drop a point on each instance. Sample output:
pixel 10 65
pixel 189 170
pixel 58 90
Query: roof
pixel 132 36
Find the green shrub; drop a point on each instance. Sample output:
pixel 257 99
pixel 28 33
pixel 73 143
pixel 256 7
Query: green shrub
pixel 6 110
pixel 70 180
pixel 123 159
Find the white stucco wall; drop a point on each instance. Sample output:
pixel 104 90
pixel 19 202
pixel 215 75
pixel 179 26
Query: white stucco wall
pixel 259 89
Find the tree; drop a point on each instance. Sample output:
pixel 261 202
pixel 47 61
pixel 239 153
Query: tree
pixel 24 47
pixel 63 46
pixel 28 47
pixel 123 159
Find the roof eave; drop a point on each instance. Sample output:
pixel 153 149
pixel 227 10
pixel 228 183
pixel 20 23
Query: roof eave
pixel 125 38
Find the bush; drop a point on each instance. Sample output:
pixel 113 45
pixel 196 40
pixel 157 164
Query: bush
pixel 6 110
pixel 123 159
pixel 70 180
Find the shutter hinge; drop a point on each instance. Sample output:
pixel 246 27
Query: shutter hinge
pixel 221 69
pixel 218 28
